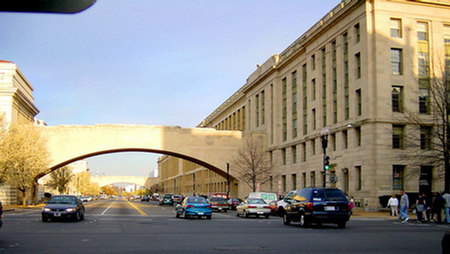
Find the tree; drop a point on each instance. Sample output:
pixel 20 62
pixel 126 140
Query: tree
pixel 60 179
pixel 82 183
pixel 429 135
pixel 108 190
pixel 253 163
pixel 23 156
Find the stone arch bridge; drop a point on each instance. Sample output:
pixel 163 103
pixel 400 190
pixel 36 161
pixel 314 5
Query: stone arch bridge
pixel 205 146
pixel 139 180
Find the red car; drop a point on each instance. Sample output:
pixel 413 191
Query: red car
pixel 234 202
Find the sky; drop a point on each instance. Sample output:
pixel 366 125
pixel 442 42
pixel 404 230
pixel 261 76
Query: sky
pixel 152 62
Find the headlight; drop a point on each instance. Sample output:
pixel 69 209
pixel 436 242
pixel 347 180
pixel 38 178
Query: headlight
pixel 71 210
pixel 46 209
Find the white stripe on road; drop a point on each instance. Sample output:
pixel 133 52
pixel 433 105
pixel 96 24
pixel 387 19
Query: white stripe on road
pixel 107 208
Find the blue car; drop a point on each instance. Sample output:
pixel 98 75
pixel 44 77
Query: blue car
pixel 194 206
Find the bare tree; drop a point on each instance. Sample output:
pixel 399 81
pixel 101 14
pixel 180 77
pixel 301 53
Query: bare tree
pixel 23 156
pixel 253 163
pixel 60 179
pixel 429 129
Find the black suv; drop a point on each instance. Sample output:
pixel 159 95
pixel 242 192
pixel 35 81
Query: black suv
pixel 318 205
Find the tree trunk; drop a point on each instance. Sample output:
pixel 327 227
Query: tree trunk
pixel 24 197
pixel 34 191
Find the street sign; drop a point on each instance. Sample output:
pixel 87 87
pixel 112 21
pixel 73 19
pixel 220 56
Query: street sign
pixel 333 178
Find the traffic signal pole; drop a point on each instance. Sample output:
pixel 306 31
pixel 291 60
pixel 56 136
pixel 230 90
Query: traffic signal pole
pixel 326 159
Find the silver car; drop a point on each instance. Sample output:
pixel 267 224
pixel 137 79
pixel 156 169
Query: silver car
pixel 253 206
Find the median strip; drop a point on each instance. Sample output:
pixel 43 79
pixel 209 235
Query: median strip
pixel 137 208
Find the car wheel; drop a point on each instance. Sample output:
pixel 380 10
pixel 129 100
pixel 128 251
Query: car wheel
pixel 286 219
pixel 280 211
pixel 76 216
pixel 177 215
pixel 237 214
pixel 185 215
pixel 341 224
pixel 266 216
pixel 44 218
pixel 245 214
pixel 226 210
pixel 82 216
pixel 303 221
pixel 208 217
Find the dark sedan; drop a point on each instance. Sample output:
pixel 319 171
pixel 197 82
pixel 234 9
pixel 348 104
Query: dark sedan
pixel 63 207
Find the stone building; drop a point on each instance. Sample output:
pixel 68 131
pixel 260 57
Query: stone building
pixel 350 78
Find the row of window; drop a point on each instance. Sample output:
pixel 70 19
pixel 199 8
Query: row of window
pixel 399 138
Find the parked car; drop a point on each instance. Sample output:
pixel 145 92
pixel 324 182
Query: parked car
pixel 219 204
pixel 177 199
pixel 253 206
pixel 318 205
pixel 194 206
pixel 266 196
pixel 234 202
pixel 63 207
pixel 273 207
pixel 1 214
pixel 166 200
pixel 219 195
pixel 145 198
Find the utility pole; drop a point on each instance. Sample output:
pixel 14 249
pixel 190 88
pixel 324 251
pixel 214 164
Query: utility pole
pixel 326 159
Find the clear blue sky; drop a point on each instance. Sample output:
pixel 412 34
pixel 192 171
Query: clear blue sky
pixel 153 62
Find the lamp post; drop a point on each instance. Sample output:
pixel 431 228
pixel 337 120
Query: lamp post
pixel 325 131
pixel 228 178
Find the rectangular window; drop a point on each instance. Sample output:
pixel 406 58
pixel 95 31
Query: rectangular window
pixel 263 108
pixel 313 146
pixel 324 88
pixel 345 139
pixel 294 181
pixel 333 141
pixel 358 135
pixel 283 183
pixel 283 155
pixel 358 178
pixel 357 33
pixel 284 110
pixel 397 177
pixel 396 28
pixel 422 58
pixel 396 61
pixel 305 100
pixel 313 62
pixel 334 77
pixel 422 31
pixel 314 118
pixel 304 179
pixel 398 136
pixel 304 151
pixel 257 110
pixel 425 137
pixel 358 65
pixel 313 83
pixel 346 79
pixel 358 102
pixel 294 104
pixel 294 154
pixel 313 178
pixel 397 99
pixel 271 182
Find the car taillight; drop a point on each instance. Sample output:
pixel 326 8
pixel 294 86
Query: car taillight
pixel 190 206
pixel 209 206
pixel 349 206
pixel 310 205
pixel 251 206
pixel 267 207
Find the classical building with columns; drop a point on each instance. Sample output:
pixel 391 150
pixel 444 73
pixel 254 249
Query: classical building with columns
pixel 350 78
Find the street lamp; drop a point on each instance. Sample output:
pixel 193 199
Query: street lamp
pixel 228 178
pixel 326 159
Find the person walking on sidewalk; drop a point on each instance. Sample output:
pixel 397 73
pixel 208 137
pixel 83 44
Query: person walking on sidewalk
pixel 420 207
pixel 446 197
pixel 437 206
pixel 393 204
pixel 404 205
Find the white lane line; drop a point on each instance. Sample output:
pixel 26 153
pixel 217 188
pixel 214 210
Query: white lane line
pixel 107 208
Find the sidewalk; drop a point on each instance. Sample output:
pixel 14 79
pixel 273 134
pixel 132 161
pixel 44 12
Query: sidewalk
pixel 379 214
pixel 7 208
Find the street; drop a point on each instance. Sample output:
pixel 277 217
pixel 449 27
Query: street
pixel 119 226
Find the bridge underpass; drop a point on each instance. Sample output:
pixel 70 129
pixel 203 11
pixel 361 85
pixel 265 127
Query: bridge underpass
pixel 143 181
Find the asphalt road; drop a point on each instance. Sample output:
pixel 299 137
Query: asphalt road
pixel 144 227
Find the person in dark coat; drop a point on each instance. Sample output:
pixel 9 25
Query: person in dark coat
pixel 437 206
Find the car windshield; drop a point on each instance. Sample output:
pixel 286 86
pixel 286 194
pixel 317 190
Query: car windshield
pixel 255 201
pixel 329 195
pixel 197 200
pixel 217 199
pixel 62 200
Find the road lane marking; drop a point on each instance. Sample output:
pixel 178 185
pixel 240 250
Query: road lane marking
pixel 107 208
pixel 137 208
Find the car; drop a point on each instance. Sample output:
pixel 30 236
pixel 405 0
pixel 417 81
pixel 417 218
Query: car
pixel 219 204
pixel 281 204
pixel 318 205
pixel 145 198
pixel 234 202
pixel 220 195
pixel 177 199
pixel 266 196
pixel 273 207
pixel 193 206
pixel 166 200
pixel 63 207
pixel 1 214
pixel 253 206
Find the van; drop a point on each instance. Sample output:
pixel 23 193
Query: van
pixel 266 196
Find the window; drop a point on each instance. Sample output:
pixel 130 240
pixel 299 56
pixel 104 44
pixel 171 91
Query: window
pixel 397 177
pixel 294 154
pixel 313 83
pixel 304 179
pixel 423 101
pixel 283 155
pixel 397 99
pixel 358 102
pixel 358 135
pixel 314 118
pixel 263 108
pixel 333 141
pixel 304 151
pixel 422 64
pixel 358 65
pixel 271 182
pixel 294 104
pixel 324 88
pixel 358 177
pixel 396 28
pixel 294 181
pixel 357 33
pixel 346 79
pixel 313 146
pixel 398 136
pixel 284 110
pixel 313 62
pixel 396 61
pixel 345 139
pixel 422 31
pixel 305 100
pixel 425 137
pixel 283 182
pixel 313 178
pixel 257 110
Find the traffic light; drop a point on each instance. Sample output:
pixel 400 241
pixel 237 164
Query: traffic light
pixel 326 162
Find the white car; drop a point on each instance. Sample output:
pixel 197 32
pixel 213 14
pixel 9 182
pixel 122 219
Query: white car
pixel 253 206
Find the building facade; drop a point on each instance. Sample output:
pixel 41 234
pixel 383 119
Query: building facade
pixel 351 77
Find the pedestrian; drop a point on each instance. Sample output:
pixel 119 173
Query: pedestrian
pixel 393 204
pixel 420 206
pixel 428 211
pixel 437 206
pixel 446 197
pixel 404 205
